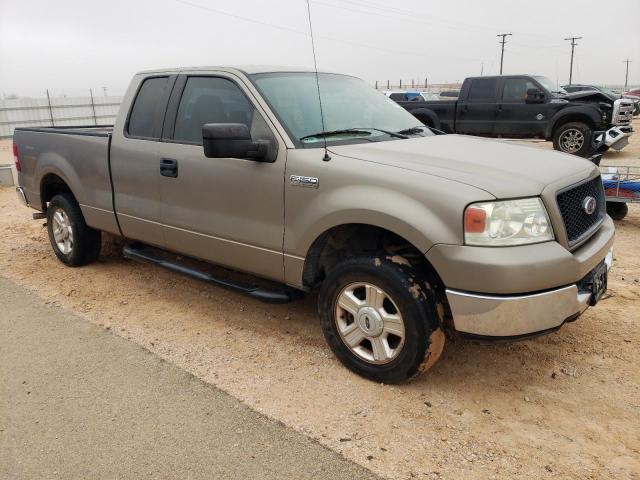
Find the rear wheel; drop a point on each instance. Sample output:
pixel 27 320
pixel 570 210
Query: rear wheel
pixel 74 243
pixel 617 210
pixel 380 318
pixel 574 137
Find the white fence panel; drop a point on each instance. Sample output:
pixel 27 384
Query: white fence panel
pixel 64 111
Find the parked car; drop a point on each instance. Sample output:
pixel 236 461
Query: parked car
pixel 524 106
pixel 406 234
pixel 403 96
pixel 609 93
pixel 634 91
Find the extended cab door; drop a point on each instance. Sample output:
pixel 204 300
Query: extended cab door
pixel 476 110
pixel 229 211
pixel 516 118
pixel 134 158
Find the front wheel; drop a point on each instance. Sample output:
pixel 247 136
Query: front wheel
pixel 574 137
pixel 74 243
pixel 380 318
pixel 617 210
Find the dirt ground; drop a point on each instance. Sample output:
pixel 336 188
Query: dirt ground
pixel 566 405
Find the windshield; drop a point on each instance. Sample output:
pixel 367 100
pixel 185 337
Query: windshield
pixel 550 86
pixel 353 111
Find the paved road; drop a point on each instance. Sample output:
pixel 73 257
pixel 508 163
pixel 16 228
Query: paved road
pixel 78 402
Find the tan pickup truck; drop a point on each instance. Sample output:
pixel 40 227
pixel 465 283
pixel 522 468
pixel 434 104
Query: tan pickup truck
pixel 410 237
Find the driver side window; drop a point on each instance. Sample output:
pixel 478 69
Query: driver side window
pixel 515 89
pixel 215 100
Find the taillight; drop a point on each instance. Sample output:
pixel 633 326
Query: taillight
pixel 16 157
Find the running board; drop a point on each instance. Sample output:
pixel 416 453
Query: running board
pixel 142 254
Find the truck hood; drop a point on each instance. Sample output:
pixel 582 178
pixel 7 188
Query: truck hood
pixel 505 170
pixel 589 96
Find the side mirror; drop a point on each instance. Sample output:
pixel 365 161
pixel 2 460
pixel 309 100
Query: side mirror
pixel 534 95
pixel 233 140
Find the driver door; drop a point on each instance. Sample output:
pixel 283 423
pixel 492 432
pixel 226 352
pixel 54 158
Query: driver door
pixel 228 211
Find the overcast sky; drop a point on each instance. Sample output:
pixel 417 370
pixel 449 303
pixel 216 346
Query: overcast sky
pixel 69 46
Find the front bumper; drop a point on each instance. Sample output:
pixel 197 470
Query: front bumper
pixel 510 316
pixel 616 137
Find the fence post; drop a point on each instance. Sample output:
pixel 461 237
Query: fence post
pixel 400 84
pixel 93 108
pixel 50 109
pixel 376 84
pixel 425 83
pixel 388 87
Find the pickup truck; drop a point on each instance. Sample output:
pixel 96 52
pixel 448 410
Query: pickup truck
pixel 409 237
pixel 525 106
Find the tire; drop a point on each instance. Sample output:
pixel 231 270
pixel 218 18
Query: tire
pixel 574 137
pixel 403 293
pixel 74 243
pixel 617 210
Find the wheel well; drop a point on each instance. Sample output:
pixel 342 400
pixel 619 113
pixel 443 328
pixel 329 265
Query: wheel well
pixel 343 241
pixel 351 239
pixel 573 117
pixel 426 120
pixel 51 186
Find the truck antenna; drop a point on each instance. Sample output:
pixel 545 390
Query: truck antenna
pixel 326 157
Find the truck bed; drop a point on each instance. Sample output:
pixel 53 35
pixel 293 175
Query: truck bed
pixel 78 154
pixel 440 114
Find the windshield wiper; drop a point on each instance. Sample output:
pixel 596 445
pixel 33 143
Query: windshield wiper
pixel 354 131
pixel 412 130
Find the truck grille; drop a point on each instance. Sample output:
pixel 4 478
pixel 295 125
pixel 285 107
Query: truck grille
pixel 577 222
pixel 622 112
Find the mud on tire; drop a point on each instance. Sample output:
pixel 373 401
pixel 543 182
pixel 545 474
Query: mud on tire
pixel 407 292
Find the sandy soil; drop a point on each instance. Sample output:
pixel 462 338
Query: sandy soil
pixel 563 406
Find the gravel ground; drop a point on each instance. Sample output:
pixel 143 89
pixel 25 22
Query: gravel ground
pixel 562 406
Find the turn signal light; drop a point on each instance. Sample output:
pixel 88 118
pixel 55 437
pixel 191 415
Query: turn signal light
pixel 474 220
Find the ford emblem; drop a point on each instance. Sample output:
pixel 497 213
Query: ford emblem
pixel 589 205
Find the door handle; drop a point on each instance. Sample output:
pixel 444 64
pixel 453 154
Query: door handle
pixel 169 167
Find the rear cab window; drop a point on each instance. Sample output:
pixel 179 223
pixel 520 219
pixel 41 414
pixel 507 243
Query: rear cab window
pixel 147 112
pixel 482 90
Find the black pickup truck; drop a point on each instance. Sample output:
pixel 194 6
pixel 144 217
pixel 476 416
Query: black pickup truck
pixel 525 106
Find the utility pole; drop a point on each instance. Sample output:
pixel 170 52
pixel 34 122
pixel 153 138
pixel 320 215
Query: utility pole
pixel 573 46
pixel 503 41
pixel 626 76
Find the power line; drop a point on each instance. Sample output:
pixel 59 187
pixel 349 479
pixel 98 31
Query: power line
pixel 503 41
pixel 626 76
pixel 573 46
pixel 306 34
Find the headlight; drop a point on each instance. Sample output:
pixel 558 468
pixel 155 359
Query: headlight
pixel 506 223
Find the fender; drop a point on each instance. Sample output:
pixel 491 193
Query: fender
pixel 586 111
pixel 53 163
pixel 399 212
